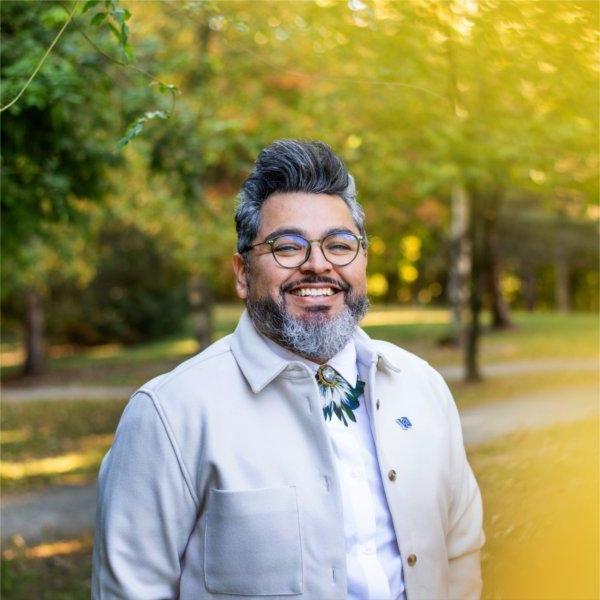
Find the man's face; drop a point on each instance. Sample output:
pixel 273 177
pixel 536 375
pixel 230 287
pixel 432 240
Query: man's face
pixel 313 216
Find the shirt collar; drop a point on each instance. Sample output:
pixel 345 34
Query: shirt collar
pixel 344 362
pixel 261 360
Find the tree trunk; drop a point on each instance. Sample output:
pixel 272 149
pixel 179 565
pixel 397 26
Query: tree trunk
pixel 391 296
pixel 498 305
pixel 529 292
pixel 562 288
pixel 471 350
pixel 460 261
pixel 201 304
pixel 34 333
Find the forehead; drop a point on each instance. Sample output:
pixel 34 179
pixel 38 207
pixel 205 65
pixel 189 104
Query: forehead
pixel 309 213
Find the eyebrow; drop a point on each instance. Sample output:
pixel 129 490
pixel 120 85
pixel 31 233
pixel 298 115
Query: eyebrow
pixel 300 232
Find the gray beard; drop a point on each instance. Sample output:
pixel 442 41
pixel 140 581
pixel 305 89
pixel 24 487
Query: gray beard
pixel 315 337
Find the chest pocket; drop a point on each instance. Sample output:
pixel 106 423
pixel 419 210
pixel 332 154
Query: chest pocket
pixel 252 543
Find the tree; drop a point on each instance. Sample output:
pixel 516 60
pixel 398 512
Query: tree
pixel 58 140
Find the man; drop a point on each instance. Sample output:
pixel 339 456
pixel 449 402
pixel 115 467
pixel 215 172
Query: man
pixel 295 457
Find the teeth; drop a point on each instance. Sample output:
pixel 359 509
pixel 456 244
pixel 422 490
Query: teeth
pixel 314 292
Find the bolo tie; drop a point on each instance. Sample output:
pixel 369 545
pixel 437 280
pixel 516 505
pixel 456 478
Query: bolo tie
pixel 339 397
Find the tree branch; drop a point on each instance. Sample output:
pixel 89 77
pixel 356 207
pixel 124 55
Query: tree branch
pixel 39 66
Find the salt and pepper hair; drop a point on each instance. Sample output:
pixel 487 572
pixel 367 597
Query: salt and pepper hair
pixel 293 166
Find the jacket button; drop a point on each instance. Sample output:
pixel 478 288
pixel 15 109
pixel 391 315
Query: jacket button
pixel 411 560
pixel 377 405
pixel 392 476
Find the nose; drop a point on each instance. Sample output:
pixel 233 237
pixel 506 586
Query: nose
pixel 316 263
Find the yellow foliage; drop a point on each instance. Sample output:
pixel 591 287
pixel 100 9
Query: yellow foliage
pixel 376 245
pixel 260 38
pixel 353 141
pixel 408 273
pixel 510 285
pixel 377 284
pixel 411 247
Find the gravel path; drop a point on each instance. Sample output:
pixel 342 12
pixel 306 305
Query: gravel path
pixel 534 411
pixel 68 511
pixel 450 373
pixel 67 392
pixel 57 512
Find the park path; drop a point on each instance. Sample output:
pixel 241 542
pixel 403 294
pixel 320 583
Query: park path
pixel 69 511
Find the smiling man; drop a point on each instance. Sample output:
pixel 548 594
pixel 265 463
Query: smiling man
pixel 296 457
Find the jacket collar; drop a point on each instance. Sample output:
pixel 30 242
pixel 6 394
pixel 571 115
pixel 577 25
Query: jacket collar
pixel 260 365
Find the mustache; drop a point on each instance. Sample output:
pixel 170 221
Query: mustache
pixel 315 279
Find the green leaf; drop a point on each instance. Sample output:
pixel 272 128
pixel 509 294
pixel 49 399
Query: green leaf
pixel 115 31
pixel 124 34
pixel 98 18
pixel 89 5
pixel 138 126
pixel 167 87
pixel 128 51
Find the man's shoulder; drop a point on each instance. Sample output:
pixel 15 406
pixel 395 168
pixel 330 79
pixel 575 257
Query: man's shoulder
pixel 416 371
pixel 408 362
pixel 200 368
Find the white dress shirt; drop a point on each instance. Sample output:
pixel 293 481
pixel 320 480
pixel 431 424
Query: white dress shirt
pixel 373 561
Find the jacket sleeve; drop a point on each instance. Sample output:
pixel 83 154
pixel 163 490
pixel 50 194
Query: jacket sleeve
pixel 146 509
pixel 464 536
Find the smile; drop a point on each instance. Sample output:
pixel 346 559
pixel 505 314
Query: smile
pixel 325 291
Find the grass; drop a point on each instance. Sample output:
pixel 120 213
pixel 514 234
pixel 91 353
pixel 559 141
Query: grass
pixel 115 364
pixel 54 442
pixel 514 386
pixel 540 491
pixel 541 513
pixel 535 336
pixel 54 571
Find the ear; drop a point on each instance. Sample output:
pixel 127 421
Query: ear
pixel 239 268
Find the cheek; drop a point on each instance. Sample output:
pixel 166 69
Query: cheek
pixel 357 278
pixel 266 283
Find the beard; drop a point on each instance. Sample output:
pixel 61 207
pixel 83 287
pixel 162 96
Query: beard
pixel 315 336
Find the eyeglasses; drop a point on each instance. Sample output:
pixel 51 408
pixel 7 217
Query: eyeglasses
pixel 290 251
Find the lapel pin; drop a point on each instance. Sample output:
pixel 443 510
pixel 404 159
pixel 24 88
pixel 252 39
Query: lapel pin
pixel 404 422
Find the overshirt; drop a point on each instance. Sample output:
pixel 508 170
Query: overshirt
pixel 221 483
pixel 373 562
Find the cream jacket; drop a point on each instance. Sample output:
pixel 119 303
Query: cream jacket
pixel 221 482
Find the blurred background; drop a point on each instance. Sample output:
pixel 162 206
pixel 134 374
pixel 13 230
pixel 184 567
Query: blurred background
pixel 471 127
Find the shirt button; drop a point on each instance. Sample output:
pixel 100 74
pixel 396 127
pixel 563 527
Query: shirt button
pixel 356 473
pixel 392 476
pixel 368 550
pixel 377 405
pixel 411 560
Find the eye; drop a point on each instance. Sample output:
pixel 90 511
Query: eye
pixel 286 248
pixel 289 245
pixel 340 244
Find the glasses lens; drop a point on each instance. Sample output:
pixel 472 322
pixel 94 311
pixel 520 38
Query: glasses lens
pixel 340 248
pixel 290 250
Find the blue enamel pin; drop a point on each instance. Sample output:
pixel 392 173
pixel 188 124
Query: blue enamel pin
pixel 404 422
